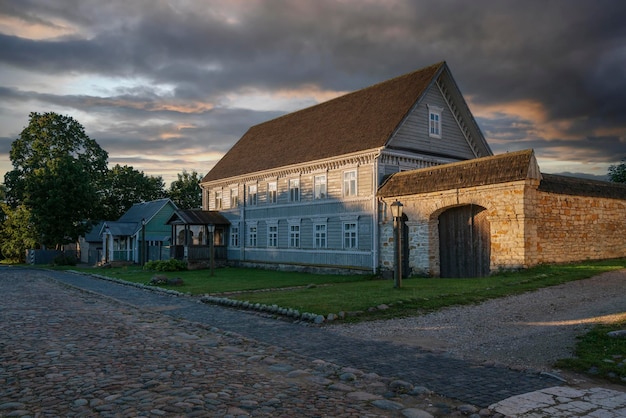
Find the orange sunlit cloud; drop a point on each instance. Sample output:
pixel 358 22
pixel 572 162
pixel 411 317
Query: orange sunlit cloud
pixel 529 111
pixel 29 30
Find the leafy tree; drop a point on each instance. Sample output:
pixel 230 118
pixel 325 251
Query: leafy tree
pixel 125 186
pixel 17 233
pixel 185 192
pixel 57 173
pixel 617 173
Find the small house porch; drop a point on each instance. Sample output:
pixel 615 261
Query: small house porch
pixel 195 233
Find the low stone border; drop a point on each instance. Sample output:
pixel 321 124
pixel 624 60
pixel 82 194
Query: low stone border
pixel 294 314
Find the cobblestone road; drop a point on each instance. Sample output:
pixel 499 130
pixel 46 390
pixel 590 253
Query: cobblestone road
pixel 66 352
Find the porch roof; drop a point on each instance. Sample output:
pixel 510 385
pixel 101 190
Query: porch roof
pixel 118 229
pixel 197 217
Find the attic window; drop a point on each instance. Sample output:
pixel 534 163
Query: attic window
pixel 434 121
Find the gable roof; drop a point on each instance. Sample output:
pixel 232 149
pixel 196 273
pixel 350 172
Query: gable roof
pixel 198 217
pixel 501 168
pixel 358 121
pixel 144 210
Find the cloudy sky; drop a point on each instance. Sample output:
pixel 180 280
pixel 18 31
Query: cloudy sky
pixel 170 85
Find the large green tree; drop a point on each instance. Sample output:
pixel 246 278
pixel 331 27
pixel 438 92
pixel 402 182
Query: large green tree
pixel 617 173
pixel 126 186
pixel 58 173
pixel 17 234
pixel 185 192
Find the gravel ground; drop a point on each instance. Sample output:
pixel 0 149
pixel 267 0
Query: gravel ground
pixel 530 330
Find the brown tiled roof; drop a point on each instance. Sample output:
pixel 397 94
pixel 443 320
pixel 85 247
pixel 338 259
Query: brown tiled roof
pixel 358 121
pixel 576 186
pixel 477 172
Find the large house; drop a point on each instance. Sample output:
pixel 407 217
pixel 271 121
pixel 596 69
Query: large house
pixel 301 190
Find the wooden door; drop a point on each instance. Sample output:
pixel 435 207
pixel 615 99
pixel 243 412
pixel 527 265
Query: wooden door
pixel 464 242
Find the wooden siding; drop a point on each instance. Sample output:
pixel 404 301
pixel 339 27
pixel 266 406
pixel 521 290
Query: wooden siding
pixel 413 134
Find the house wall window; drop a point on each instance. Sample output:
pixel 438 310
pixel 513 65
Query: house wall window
pixel 218 199
pixel 234 235
pixel 252 235
pixel 272 192
pixel 434 121
pixel 319 235
pixel 234 198
pixel 294 190
pixel 272 235
pixel 350 235
pixel 252 195
pixel 319 187
pixel 349 183
pixel 294 236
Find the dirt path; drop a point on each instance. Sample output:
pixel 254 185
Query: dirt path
pixel 531 330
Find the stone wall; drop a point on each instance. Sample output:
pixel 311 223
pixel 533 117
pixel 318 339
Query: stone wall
pixel 572 228
pixel 528 226
pixel 505 212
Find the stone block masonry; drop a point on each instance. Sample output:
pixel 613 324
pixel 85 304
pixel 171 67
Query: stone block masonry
pixel 571 228
pixel 528 226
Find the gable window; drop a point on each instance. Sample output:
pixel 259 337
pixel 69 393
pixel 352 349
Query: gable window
pixel 319 234
pixel 218 199
pixel 234 198
pixel 350 235
pixel 319 187
pixel 252 195
pixel 349 183
pixel 252 235
pixel 272 235
pixel 294 190
pixel 434 121
pixel 234 236
pixel 272 189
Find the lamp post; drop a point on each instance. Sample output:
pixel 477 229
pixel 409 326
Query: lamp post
pixel 396 211
pixel 143 242
pixel 211 229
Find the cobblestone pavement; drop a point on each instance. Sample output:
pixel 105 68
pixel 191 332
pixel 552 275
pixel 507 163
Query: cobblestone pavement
pixel 139 353
pixel 65 352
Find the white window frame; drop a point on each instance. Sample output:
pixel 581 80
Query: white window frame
pixel 320 186
pixel 252 235
pixel 253 195
pixel 234 235
pixel 272 192
pixel 294 234
pixel 294 190
pixel 350 235
pixel 218 200
pixel 350 183
pixel 234 197
pixel 272 235
pixel 434 121
pixel 320 235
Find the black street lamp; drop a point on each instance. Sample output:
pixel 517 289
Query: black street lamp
pixel 396 211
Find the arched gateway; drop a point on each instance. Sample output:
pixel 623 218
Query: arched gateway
pixel 464 242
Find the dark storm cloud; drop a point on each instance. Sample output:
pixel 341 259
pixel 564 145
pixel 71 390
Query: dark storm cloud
pixel 569 56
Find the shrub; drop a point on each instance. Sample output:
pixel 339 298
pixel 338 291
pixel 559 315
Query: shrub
pixel 166 265
pixel 64 260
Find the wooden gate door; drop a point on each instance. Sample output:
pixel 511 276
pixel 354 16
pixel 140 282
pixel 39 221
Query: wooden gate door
pixel 464 242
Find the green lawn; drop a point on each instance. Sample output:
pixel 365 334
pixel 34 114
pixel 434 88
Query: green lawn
pixel 599 355
pixel 323 294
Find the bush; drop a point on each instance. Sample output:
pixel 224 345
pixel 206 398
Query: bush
pixel 166 265
pixel 64 260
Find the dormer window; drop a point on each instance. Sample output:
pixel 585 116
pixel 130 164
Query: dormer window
pixel 434 121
